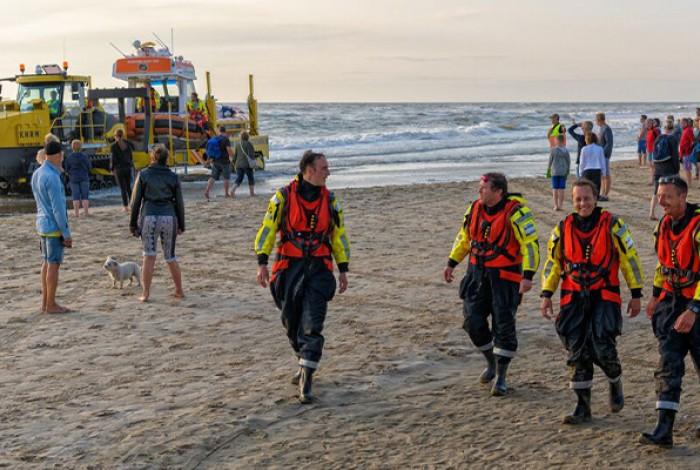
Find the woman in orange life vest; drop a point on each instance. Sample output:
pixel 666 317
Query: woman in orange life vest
pixel 675 304
pixel 586 251
pixel 312 234
pixel 500 236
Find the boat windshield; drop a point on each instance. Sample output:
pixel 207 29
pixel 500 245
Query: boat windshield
pixel 27 92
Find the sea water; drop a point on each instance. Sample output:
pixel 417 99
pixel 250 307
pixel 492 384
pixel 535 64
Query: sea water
pixel 370 144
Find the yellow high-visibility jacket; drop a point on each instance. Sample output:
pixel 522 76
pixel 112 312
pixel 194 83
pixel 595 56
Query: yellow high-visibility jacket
pixel 630 264
pixel 525 231
pixel 267 234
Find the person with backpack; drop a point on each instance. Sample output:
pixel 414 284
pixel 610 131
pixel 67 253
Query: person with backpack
pixel 666 162
pixel 651 134
pixel 218 149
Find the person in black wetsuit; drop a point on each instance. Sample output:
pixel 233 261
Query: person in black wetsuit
pixel 121 164
pixel 312 234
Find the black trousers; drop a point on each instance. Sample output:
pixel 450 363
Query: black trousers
pixel 123 176
pixel 673 347
pixel 588 328
pixel 302 292
pixel 594 176
pixel 486 294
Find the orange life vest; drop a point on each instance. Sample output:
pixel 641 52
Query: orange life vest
pixel 493 243
pixel 678 256
pixel 589 260
pixel 306 229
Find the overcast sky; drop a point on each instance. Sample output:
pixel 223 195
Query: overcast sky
pixel 382 50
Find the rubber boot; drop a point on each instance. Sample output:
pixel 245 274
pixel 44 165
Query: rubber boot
pixel 662 435
pixel 500 388
pixel 490 372
pixel 296 377
pixel 617 398
pixel 305 395
pixel 582 412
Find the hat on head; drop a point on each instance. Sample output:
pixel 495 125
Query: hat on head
pixel 53 148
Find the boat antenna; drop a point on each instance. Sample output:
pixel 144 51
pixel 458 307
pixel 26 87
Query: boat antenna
pixel 160 41
pixel 118 50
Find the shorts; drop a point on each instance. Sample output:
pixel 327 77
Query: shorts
pixel 80 191
pixel 219 167
pixel 51 249
pixel 240 172
pixel 559 182
pixel 642 146
pixel 606 171
pixel 159 226
pixel 687 163
pixel 650 157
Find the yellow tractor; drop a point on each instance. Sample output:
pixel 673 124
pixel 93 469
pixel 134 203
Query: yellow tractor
pixel 50 101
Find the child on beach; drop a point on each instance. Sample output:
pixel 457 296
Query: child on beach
pixel 642 142
pixel 559 167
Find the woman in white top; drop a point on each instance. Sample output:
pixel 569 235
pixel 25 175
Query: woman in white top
pixel 592 165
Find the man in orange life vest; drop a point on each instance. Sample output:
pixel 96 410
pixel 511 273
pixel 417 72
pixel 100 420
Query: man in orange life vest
pixel 312 234
pixel 675 305
pixel 586 250
pixel 500 236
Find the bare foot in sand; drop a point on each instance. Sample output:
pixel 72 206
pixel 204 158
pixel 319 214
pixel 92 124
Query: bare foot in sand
pixel 653 217
pixel 144 297
pixel 57 309
pixel 179 295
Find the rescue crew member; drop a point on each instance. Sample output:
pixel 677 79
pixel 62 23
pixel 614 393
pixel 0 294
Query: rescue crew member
pixel 586 251
pixel 675 305
pixel 197 111
pixel 557 129
pixel 54 105
pixel 500 236
pixel 155 101
pixel 312 234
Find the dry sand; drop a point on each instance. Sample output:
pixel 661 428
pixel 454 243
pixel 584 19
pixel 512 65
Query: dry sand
pixel 204 382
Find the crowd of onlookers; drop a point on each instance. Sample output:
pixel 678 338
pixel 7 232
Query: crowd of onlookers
pixel 665 148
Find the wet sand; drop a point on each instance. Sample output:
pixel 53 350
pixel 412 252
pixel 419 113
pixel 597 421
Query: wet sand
pixel 204 382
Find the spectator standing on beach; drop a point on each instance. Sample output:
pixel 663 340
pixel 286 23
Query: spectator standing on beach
pixel 685 148
pixel 641 142
pixel 586 251
pixel 219 156
pixel 51 223
pixel 244 161
pixel 586 126
pixel 593 161
pixel 121 164
pixel 651 135
pixel 500 236
pixel 312 234
pixel 696 149
pixel 559 167
pixel 158 212
pixel 666 162
pixel 78 168
pixel 555 130
pixel 605 140
pixel 674 308
pixel 677 129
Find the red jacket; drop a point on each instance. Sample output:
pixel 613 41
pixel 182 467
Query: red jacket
pixel 652 134
pixel 687 142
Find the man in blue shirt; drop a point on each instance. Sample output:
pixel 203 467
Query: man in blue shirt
pixel 51 224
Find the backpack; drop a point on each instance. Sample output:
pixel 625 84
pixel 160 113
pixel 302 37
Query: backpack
pixel 214 148
pixel 662 148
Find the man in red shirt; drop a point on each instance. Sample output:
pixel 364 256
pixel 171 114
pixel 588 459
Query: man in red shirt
pixel 685 148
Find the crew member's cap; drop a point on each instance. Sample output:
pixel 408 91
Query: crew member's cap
pixel 53 148
pixel 555 115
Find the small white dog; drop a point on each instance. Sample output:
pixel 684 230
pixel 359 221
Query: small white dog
pixel 122 271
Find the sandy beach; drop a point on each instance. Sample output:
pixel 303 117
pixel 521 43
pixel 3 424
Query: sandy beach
pixel 204 382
